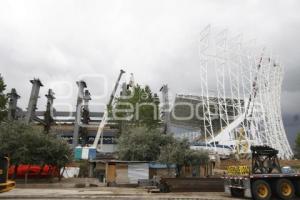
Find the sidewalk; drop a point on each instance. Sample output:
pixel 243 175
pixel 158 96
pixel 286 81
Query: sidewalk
pixel 105 193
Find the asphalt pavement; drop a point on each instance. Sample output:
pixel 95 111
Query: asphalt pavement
pixel 106 193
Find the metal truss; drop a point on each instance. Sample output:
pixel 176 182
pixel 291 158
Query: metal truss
pixel 248 82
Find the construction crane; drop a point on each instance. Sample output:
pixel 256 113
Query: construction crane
pixel 105 115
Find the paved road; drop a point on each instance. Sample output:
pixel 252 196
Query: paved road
pixel 105 193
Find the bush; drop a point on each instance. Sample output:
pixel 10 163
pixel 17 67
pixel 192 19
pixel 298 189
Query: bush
pixel 141 143
pixel 25 144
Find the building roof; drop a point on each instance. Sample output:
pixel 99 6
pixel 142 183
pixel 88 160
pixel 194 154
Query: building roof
pixel 116 161
pixel 181 110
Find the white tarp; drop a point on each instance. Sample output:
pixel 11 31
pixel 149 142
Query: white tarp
pixel 70 172
pixel 85 153
pixel 138 171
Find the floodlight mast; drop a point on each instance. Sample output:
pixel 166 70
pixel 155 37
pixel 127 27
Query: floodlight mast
pixel 105 115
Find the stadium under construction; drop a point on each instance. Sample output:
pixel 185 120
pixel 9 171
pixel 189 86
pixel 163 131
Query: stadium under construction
pixel 243 110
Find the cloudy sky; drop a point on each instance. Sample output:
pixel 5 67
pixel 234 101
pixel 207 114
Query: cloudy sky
pixel 62 41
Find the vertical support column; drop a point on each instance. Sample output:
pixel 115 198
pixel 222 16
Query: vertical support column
pixel 85 117
pixel 48 115
pixel 36 84
pixel 205 47
pixel 12 104
pixel 50 97
pixel 86 99
pixel 166 107
pixel 81 85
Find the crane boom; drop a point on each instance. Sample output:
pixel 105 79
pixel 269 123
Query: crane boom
pixel 105 114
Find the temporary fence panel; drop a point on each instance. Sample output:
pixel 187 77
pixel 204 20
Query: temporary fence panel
pixel 70 172
pixel 138 171
pixel 122 174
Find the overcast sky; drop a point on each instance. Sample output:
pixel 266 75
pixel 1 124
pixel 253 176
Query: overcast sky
pixel 62 41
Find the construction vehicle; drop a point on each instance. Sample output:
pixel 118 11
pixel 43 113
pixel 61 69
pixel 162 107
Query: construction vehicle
pixel 86 153
pixel 99 135
pixel 5 184
pixel 265 180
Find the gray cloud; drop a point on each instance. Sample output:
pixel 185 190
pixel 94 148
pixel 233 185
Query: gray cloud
pixel 157 40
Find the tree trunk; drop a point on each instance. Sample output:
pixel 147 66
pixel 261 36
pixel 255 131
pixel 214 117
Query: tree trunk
pixel 61 174
pixel 41 170
pixel 50 173
pixel 178 167
pixel 15 171
pixel 26 175
pixel 168 168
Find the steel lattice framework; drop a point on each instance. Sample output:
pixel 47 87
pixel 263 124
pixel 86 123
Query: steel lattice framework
pixel 248 84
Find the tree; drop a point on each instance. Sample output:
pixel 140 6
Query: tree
pixel 297 146
pixel 25 144
pixel 3 100
pixel 196 157
pixel 178 152
pixel 174 152
pixel 137 107
pixel 141 143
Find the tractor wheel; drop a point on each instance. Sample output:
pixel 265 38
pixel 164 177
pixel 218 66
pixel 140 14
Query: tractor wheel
pixel 297 187
pixel 261 190
pixel 285 189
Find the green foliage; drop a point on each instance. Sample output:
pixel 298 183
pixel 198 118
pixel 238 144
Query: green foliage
pixel 174 152
pixel 83 168
pixel 178 152
pixel 25 144
pixel 139 108
pixel 141 143
pixel 297 146
pixel 196 157
pixel 3 100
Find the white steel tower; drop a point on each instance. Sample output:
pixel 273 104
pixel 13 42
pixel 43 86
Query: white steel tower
pixel 248 83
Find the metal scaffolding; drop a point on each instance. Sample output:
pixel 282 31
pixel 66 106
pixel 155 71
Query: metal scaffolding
pixel 248 86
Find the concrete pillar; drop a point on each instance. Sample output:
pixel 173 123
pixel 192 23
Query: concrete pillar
pixel 86 99
pixel 85 116
pixel 48 115
pixel 86 111
pixel 36 84
pixel 166 107
pixel 12 104
pixel 81 85
pixel 50 98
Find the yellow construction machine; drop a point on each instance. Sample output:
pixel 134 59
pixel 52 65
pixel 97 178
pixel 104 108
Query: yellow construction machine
pixel 5 184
